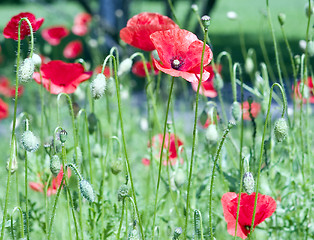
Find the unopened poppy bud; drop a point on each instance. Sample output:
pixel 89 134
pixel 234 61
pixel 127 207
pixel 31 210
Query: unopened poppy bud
pixel 123 192
pixel 63 136
pixel 309 10
pixel 205 21
pixel 26 70
pixel 281 18
pixel 55 165
pixel 125 66
pixel 155 55
pixel 36 59
pixel 218 82
pixel 212 134
pixel 248 182
pixel 116 167
pixel 177 233
pixel 97 150
pixel 235 110
pixel 194 7
pixel 98 86
pixel 297 59
pixel 249 65
pixel 92 123
pixel 110 86
pixel 14 164
pixel 29 141
pixel 87 190
pixel 281 129
pixel 310 48
pixel 79 156
pixel 179 178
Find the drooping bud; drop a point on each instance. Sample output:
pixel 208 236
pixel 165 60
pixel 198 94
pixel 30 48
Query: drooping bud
pixel 236 110
pixel 79 155
pixel 92 123
pixel 97 152
pixel 55 165
pixel 249 65
pixel 281 18
pixel 281 129
pixel 310 48
pixel 123 192
pixel 29 141
pixel 26 70
pixel 212 134
pixel 309 10
pixel 248 182
pixel 297 60
pixel 116 166
pixel 205 21
pixel 36 59
pixel 87 190
pixel 63 136
pixel 177 232
pixel 179 178
pixel 194 7
pixel 218 82
pixel 98 86
pixel 14 164
pixel 125 66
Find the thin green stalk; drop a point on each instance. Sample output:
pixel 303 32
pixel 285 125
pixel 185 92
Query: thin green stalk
pixel 26 186
pixel 172 11
pixel 21 222
pixel 121 220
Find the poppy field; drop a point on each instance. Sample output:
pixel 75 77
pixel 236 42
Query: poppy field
pixel 157 135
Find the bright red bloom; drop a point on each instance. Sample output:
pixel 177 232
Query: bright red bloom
pixel 11 29
pixel 55 183
pixel 141 26
pixel 73 49
pixel 59 76
pixel 255 110
pixel 207 87
pixel 180 53
pixel 309 83
pixel 138 68
pixel 7 90
pixel 106 71
pixel 53 35
pixel 81 22
pixel 4 109
pixel 266 206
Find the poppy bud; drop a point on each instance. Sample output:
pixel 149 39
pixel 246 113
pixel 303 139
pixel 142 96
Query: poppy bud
pixel 29 141
pixel 55 165
pixel 36 59
pixel 212 134
pixel 248 182
pixel 97 150
pixel 249 65
pixel 110 86
pixel 194 7
pixel 63 136
pixel 87 190
pixel 281 129
pixel 123 192
pixel 309 11
pixel 98 86
pixel 177 233
pixel 310 48
pixel 235 110
pixel 218 82
pixel 205 21
pixel 282 18
pixel 116 166
pixel 26 70
pixel 14 164
pixel 179 178
pixel 297 59
pixel 79 155
pixel 155 55
pixel 92 123
pixel 125 66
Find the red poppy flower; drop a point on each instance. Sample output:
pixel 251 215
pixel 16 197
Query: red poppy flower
pixel 55 183
pixel 11 29
pixel 138 68
pixel 53 35
pixel 137 31
pixel 59 76
pixel 81 22
pixel 146 161
pixel 106 71
pixel 266 206
pixel 73 49
pixel 4 109
pixel 311 88
pixel 180 53
pixel 207 87
pixel 7 90
pixel 255 110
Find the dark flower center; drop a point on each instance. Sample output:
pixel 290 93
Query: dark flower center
pixel 247 227
pixel 176 63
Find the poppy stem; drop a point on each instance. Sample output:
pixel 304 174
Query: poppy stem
pixel 121 220
pixel 21 222
pixel 172 12
pixel 26 184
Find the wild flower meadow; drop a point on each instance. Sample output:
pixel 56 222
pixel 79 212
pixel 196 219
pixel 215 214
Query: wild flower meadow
pixel 208 148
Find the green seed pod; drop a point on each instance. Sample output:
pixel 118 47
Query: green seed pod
pixel 55 165
pixel 248 182
pixel 87 190
pixel 212 134
pixel 98 86
pixel 123 192
pixel 97 151
pixel 205 21
pixel 281 129
pixel 26 70
pixel 236 110
pixel 63 136
pixel 218 82
pixel 179 178
pixel 177 232
pixel 281 18
pixel 29 141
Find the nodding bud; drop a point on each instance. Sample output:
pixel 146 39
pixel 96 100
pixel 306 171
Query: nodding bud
pixel 92 123
pixel 310 48
pixel 179 178
pixel 249 65
pixel 110 88
pixel 79 153
pixel 281 129
pixel 63 136
pixel 55 165
pixel 177 232
pixel 205 21
pixel 116 166
pixel 36 59
pixel 14 164
pixel 194 7
pixel 123 192
pixel 97 152
pixel 236 110
pixel 87 190
pixel 218 82
pixel 125 66
pixel 98 86
pixel 29 141
pixel 212 134
pixel 248 182
pixel 281 18
pixel 26 70
pixel 155 55
pixel 297 60
pixel 309 10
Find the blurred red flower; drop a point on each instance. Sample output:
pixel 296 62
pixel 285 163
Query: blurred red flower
pixel 73 49
pixel 255 110
pixel 180 53
pixel 137 31
pixel 138 68
pixel 59 76
pixel 53 35
pixel 311 88
pixel 266 206
pixel 106 71
pixel 55 183
pixel 11 29
pixel 146 161
pixel 207 87
pixel 7 90
pixel 4 109
pixel 81 22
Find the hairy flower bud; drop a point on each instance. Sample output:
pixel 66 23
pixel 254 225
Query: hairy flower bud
pixel 36 59
pixel 212 134
pixel 236 110
pixel 87 190
pixel 123 192
pixel 218 82
pixel 248 182
pixel 281 129
pixel 281 18
pixel 194 7
pixel 55 165
pixel 125 66
pixel 116 166
pixel 79 156
pixel 309 10
pixel 249 65
pixel 179 178
pixel 29 141
pixel 97 151
pixel 14 164
pixel 26 70
pixel 63 136
pixel 98 86
pixel 155 55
